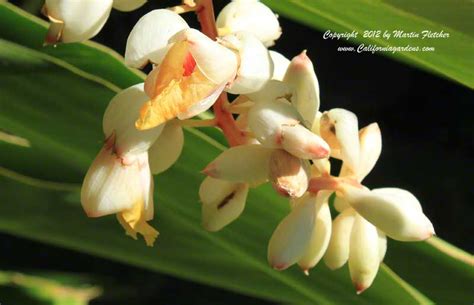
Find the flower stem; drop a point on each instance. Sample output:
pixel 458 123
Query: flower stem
pixel 225 120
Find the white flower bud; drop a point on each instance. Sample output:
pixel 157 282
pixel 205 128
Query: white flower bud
pixel 302 143
pixel 167 148
pixel 321 233
pixel 251 16
pixel 111 187
pixel 244 163
pixel 340 204
pixel 293 235
pixel 337 252
pixel 255 67
pixel 394 211
pixel 280 65
pixel 301 76
pixel 119 118
pixel 77 20
pixel 222 202
pixel 364 257
pixel 128 5
pixel 289 175
pixel 148 40
pixel 266 119
pixel 339 128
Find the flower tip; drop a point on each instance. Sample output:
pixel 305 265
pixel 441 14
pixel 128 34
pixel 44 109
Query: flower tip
pixel 360 288
pixel 211 170
pixel 320 151
pixel 306 272
pixel 279 266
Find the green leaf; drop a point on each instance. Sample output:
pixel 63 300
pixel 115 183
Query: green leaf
pixel 21 288
pixel 452 57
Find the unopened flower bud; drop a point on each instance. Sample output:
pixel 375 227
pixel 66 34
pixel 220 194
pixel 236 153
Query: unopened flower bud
pixel 394 211
pixel 167 148
pixel 301 142
pixel 75 21
pixel 293 235
pixel 255 67
pixel 149 38
pixel 301 76
pixel 288 174
pixel 339 128
pixel 244 163
pixel 364 257
pixel 321 233
pixel 251 16
pixel 222 202
pixel 128 5
pixel 340 204
pixel 337 252
pixel 280 65
pixel 382 244
pixel 119 118
pixel 272 90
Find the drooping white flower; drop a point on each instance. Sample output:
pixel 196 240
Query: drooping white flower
pixel 189 79
pixel 301 76
pixel 250 16
pixel 149 39
pixel 288 174
pixel 280 65
pixel 128 5
pixel 222 202
pixel 167 148
pixel 338 250
pixel 75 21
pixel 255 65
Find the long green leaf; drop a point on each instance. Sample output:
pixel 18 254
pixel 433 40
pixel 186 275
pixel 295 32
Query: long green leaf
pixel 452 57
pixel 59 111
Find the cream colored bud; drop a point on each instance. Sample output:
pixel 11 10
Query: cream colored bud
pixel 302 143
pixel 289 175
pixel 320 167
pixel 255 68
pixel 321 233
pixel 148 40
pixel 364 257
pixel 301 76
pixel 222 202
pixel 167 148
pixel 280 65
pixel 80 20
pixel 293 235
pixel 119 119
pixel 266 119
pixel 111 186
pixel 337 252
pixel 394 211
pixel 128 5
pixel 245 163
pixel 339 128
pixel 251 16
pixel 340 204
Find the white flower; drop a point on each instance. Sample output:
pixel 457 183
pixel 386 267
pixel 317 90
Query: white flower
pixel 188 80
pixel 167 148
pixel 73 20
pixel 250 16
pixel 280 65
pixel 128 5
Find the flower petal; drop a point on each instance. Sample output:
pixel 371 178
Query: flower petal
pixel 222 202
pixel 244 163
pixel 119 118
pixel 251 16
pixel 280 65
pixel 364 258
pixel 382 245
pixel 302 143
pixel 167 148
pixel 289 175
pixel 82 19
pixel 337 252
pixel 301 76
pixel 148 40
pixel 293 235
pixel 128 5
pixel 321 233
pixel 394 211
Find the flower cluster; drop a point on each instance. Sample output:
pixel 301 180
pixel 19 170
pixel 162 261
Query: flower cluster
pixel 274 126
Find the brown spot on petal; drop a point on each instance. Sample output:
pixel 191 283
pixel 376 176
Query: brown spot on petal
pixel 226 200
